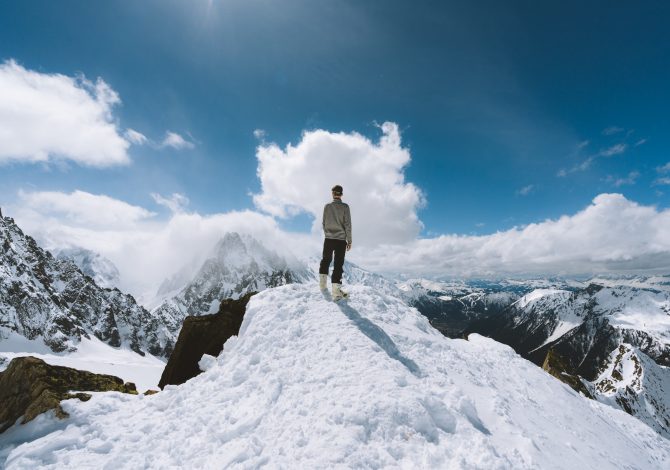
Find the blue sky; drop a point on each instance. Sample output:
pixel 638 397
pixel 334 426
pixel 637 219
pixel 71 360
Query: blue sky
pixel 490 97
pixel 499 103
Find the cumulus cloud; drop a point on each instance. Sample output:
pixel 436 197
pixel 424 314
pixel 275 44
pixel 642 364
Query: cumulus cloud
pixel 612 234
pixel 84 209
pixel 297 179
pixel 176 141
pixel 176 202
pixel 46 117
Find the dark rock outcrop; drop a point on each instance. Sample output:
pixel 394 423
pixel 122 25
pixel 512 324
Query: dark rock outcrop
pixel 29 386
pixel 558 367
pixel 200 335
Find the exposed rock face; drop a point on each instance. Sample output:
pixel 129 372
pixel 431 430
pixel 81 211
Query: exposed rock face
pixel 200 335
pixel 49 298
pixel 556 366
pixel 29 387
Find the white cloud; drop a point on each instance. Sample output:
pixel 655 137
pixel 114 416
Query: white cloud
pixel 526 190
pixel 176 141
pixel 259 134
pixel 583 166
pixel 176 202
pixel 298 179
pixel 146 249
pixel 640 142
pixel 46 117
pixel 135 137
pixel 586 163
pixel 613 234
pixel 618 182
pixel 613 150
pixel 664 169
pixel 612 130
pixel 662 181
pixel 84 209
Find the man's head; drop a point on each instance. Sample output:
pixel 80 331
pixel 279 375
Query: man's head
pixel 337 191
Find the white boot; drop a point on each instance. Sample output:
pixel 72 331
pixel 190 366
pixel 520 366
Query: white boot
pixel 338 293
pixel 323 278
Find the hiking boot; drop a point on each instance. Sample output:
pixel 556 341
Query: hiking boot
pixel 338 293
pixel 323 278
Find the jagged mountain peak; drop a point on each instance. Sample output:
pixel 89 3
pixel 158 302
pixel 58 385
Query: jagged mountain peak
pixel 242 251
pixel 43 297
pixel 93 264
pixel 238 264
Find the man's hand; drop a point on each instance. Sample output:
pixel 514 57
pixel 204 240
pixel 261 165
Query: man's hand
pixel 348 246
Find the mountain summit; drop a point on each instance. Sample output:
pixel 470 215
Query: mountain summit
pixel 368 383
pixel 237 265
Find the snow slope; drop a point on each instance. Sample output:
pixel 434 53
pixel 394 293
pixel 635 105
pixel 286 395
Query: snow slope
pixel 367 384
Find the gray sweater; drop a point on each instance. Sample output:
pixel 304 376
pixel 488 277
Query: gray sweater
pixel 337 221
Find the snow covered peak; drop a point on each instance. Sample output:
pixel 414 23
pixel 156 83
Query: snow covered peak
pixel 634 382
pixel 238 264
pixel 310 383
pixel 542 295
pixel 94 265
pixel 237 252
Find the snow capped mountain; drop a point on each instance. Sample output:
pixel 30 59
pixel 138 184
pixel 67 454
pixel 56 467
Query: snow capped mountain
pixel 635 383
pixel 102 270
pixel 310 383
pixel 587 328
pixel 238 264
pixel 42 297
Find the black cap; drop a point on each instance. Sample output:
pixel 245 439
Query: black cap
pixel 337 189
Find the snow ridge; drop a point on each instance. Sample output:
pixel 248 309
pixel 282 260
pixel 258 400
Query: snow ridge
pixel 365 384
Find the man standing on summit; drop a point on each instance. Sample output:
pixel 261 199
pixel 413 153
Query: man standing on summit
pixel 337 230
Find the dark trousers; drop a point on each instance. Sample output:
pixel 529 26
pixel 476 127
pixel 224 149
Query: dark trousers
pixel 331 245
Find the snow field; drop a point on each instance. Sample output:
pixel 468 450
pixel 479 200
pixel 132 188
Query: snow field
pixel 366 383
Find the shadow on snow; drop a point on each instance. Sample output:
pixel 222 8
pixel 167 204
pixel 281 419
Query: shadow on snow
pixel 377 335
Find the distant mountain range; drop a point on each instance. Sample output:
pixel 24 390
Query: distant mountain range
pixel 612 335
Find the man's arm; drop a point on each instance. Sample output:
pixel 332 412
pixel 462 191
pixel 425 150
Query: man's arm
pixel 323 219
pixel 347 226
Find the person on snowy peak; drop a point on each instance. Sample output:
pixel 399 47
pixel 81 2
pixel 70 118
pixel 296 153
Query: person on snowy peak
pixel 337 231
